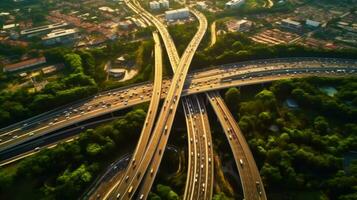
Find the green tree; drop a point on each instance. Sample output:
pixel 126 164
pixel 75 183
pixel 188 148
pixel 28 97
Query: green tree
pixel 221 196
pixel 232 98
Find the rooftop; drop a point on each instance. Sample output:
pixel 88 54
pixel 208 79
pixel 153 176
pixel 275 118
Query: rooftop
pixel 59 33
pixel 25 63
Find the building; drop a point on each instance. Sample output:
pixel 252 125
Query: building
pixel 164 4
pixel 126 24
pixel 182 13
pixel 42 29
pixel 154 5
pixel 9 26
pixel 60 36
pixel 290 24
pixel 202 5
pixel 240 25
pixel 106 9
pixel 25 64
pixel 117 73
pixel 51 69
pixel 234 3
pixel 311 23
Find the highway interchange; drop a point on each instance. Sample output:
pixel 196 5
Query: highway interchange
pixel 149 165
pixel 208 172
pixel 140 173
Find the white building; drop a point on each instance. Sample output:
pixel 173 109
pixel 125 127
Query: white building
pixel 9 26
pixel 154 5
pixel 312 23
pixel 42 29
pixel 164 4
pixel 240 25
pixel 234 3
pixel 177 14
pixel 60 36
pixel 290 24
pixel 202 5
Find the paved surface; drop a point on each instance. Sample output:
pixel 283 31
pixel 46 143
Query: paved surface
pixel 199 183
pixel 149 121
pixel 154 152
pixel 238 74
pixel 249 174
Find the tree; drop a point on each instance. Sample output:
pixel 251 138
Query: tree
pixel 232 98
pixel 166 192
pixel 271 174
pixel 153 196
pixel 221 196
pixel 73 62
pixel 321 125
pixel 94 149
pixel 267 97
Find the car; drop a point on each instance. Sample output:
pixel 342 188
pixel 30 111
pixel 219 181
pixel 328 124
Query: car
pixel 130 190
pixel 118 195
pixel 241 162
pixel 165 131
pixel 126 178
pixel 258 187
pixel 152 171
pixel 142 196
pixel 37 148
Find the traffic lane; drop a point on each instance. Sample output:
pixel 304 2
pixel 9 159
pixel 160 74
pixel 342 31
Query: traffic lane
pixel 175 89
pixel 235 68
pixel 192 151
pixel 248 154
pixel 223 85
pixel 254 80
pixel 153 107
pixel 245 174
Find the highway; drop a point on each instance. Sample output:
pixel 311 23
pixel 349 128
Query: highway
pixel 150 117
pixel 197 82
pixel 154 165
pixel 199 183
pixel 252 184
pixel 206 182
pixel 154 152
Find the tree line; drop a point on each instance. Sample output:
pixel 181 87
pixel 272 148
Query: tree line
pixel 301 149
pixel 65 171
pixel 235 47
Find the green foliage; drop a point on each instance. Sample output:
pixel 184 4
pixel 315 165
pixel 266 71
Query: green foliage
pixel 65 171
pixel 232 98
pixel 165 192
pixel 235 47
pixel 182 35
pixel 302 149
pixel 221 196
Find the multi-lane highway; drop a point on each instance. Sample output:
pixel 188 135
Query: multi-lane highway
pixel 150 117
pixel 199 183
pixel 237 74
pixel 154 152
pixel 202 182
pixel 249 174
